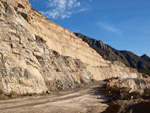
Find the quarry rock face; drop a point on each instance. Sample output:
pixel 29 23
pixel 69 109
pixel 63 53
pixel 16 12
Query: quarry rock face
pixel 27 64
pixel 37 55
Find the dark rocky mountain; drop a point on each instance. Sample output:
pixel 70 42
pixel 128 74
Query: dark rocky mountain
pixel 142 64
pixel 146 57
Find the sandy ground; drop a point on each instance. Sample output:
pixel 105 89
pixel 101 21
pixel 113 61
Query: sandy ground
pixel 84 100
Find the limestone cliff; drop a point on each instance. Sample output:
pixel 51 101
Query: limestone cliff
pixel 38 55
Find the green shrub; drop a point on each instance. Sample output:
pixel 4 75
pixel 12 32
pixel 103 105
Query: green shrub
pixel 27 94
pixel 1 91
pixel 13 94
pixel 2 97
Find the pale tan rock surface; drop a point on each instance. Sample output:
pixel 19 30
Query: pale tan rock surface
pixel 114 69
pixel 38 55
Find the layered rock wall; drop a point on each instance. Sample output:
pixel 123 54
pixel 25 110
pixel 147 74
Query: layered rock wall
pixel 64 41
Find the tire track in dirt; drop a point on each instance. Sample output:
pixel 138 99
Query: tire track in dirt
pixel 83 100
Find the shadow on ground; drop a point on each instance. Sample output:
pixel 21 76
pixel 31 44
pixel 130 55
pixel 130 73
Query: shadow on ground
pixel 100 92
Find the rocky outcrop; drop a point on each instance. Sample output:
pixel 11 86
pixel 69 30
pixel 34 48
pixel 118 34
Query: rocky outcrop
pixel 128 95
pixel 37 55
pixel 129 87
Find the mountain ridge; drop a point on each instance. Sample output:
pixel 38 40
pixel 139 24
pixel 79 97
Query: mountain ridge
pixel 109 53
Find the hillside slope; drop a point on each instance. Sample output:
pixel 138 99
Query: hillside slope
pixel 126 57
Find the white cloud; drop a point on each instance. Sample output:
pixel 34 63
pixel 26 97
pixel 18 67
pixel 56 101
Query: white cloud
pixel 109 28
pixel 81 10
pixel 62 8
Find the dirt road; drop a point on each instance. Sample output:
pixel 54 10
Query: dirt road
pixel 85 100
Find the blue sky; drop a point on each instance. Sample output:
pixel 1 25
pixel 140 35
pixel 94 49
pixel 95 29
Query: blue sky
pixel 123 24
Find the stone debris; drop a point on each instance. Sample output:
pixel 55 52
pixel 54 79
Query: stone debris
pixel 129 88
